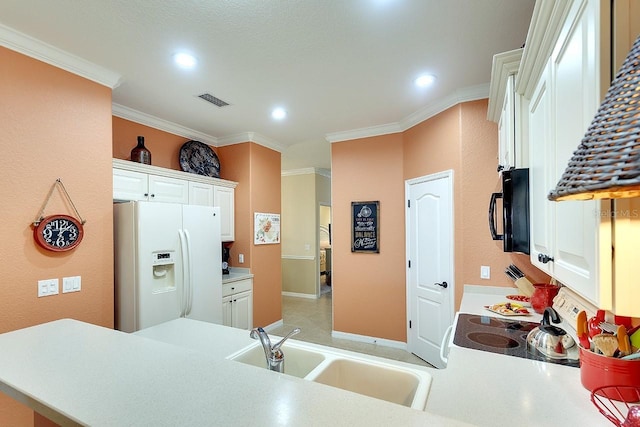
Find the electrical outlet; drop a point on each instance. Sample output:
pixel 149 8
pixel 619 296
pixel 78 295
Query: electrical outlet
pixel 47 287
pixel 485 272
pixel 241 258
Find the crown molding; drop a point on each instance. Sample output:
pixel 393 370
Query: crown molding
pixel 471 93
pixel 161 124
pixel 34 48
pixel 504 65
pixel 307 171
pixel 363 132
pixel 250 137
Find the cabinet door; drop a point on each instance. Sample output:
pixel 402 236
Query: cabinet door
pixel 227 310
pixel 242 310
pixel 506 128
pixel 165 189
pixel 200 194
pixel 576 70
pixel 540 159
pixel 129 185
pixel 224 199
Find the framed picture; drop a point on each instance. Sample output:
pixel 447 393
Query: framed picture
pixel 266 228
pixel 365 227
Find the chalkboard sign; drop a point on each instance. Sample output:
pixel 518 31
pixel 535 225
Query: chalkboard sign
pixel 365 227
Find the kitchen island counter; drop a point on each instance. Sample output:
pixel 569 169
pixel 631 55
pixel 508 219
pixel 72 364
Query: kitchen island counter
pixel 75 373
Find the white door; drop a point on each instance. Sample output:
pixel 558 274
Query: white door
pixel 430 275
pixel 203 269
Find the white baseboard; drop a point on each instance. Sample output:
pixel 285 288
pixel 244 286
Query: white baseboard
pixel 370 340
pixel 299 295
pixel 274 325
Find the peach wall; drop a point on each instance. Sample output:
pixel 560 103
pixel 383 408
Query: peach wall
pixel 369 289
pixel 435 146
pixel 479 179
pixel 236 165
pixel 164 146
pixel 460 139
pixel 54 125
pixel 266 264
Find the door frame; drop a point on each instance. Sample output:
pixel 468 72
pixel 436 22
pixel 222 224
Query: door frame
pixel 409 294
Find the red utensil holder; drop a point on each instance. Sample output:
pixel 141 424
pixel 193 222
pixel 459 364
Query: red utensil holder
pixel 598 371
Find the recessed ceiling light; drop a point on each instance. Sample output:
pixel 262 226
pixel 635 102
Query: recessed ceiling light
pixel 185 60
pixel 425 80
pixel 278 113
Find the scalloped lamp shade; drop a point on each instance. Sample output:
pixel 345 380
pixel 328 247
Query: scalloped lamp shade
pixel 606 164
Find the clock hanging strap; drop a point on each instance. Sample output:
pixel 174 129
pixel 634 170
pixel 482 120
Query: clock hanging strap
pixel 58 182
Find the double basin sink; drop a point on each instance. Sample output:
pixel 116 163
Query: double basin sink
pixel 371 376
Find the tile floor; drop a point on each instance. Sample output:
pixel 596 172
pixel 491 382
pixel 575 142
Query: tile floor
pixel 313 317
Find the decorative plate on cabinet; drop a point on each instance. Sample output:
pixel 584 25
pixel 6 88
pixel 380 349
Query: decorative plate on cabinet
pixel 199 158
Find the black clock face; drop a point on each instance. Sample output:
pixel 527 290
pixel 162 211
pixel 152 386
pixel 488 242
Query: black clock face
pixel 59 233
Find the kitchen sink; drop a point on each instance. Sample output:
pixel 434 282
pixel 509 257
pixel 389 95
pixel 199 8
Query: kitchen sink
pixel 392 385
pixel 389 380
pixel 298 361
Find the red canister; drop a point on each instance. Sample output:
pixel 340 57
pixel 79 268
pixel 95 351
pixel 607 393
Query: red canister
pixel 597 371
pixel 543 296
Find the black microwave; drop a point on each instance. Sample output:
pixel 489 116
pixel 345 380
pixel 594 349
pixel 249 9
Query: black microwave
pixel 515 211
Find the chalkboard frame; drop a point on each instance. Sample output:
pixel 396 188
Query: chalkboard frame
pixel 371 212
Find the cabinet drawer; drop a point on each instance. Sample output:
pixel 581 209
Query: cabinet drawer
pixel 235 287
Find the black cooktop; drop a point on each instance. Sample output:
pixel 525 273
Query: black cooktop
pixel 502 336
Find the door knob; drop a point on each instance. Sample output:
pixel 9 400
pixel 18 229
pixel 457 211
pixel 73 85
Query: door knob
pixel 443 284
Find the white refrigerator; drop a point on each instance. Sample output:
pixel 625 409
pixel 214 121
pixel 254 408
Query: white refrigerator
pixel 168 264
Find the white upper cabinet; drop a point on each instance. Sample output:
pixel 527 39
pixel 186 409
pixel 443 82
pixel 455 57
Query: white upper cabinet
pixel 505 108
pixel 224 198
pixel 201 194
pixel 570 64
pixel 136 181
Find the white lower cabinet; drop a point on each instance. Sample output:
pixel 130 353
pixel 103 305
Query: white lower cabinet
pixel 237 304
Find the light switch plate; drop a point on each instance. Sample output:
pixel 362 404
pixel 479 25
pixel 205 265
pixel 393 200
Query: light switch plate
pixel 71 284
pixel 485 272
pixel 47 287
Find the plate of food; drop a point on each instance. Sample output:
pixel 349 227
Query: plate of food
pixel 508 309
pixel 520 299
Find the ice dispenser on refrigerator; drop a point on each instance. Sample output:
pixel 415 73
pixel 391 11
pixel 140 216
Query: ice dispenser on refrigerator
pixel 164 276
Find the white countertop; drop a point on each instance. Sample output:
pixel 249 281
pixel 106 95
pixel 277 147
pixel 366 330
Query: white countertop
pixel 236 274
pixel 76 373
pixel 488 389
pixel 176 374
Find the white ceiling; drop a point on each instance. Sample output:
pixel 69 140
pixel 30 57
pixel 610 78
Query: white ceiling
pixel 336 66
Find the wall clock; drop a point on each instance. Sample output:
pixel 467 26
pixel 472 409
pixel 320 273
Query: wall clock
pixel 58 233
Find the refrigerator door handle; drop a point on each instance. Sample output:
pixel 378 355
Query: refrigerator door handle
pixel 185 278
pixel 189 275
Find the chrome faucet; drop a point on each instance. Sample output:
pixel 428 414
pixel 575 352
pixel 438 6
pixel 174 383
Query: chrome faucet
pixel 273 354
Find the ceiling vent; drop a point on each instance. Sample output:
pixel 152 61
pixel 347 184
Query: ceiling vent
pixel 212 99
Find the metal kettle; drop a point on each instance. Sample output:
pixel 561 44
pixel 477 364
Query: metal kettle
pixel 552 341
